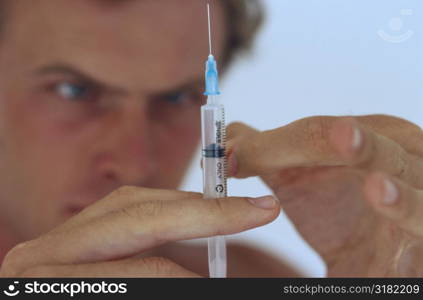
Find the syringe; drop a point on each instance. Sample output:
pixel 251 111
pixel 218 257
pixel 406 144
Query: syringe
pixel 214 157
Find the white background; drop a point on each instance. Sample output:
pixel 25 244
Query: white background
pixel 322 57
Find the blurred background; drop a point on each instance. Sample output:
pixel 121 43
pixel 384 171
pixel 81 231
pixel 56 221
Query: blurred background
pixel 322 57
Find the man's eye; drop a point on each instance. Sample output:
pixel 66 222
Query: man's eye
pixel 178 97
pixel 72 91
pixel 188 96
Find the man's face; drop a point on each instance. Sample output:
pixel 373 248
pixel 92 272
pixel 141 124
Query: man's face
pixel 95 95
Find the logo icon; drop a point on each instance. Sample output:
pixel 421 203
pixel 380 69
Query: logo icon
pixel 11 289
pixel 220 188
pixel 396 26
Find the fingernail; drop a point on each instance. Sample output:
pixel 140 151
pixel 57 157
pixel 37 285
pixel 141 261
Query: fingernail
pixel 232 163
pixel 357 138
pixel 390 195
pixel 266 202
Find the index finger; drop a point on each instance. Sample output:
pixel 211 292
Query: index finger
pixel 141 226
pixel 302 143
pixel 125 196
pixel 319 141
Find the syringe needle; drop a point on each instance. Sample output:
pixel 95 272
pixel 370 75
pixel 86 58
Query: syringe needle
pixel 210 39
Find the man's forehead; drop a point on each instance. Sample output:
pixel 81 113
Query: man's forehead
pixel 146 40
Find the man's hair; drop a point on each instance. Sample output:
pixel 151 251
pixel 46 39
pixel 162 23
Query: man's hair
pixel 244 18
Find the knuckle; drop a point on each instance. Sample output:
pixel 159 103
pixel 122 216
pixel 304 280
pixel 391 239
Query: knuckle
pixel 144 209
pixel 159 265
pixel 317 130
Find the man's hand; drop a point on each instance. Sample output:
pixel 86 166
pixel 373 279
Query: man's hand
pixel 104 239
pixel 352 187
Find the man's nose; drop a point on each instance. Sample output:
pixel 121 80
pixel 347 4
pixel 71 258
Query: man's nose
pixel 127 155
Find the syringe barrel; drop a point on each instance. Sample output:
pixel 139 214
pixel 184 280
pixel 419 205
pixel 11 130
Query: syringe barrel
pixel 214 151
pixel 214 175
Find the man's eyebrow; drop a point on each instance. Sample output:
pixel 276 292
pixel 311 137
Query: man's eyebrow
pixel 190 84
pixel 63 69
pixel 74 72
